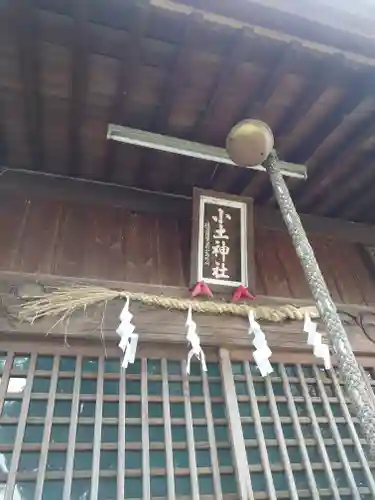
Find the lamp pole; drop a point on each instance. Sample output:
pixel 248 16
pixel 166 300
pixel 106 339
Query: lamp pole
pixel 349 369
pixel 249 143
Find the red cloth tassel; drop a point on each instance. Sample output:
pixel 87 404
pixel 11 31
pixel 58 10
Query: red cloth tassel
pixel 201 289
pixel 242 293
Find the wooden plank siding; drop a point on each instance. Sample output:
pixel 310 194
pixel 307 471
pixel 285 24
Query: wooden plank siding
pixel 69 239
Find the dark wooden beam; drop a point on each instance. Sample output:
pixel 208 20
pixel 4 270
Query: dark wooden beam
pixel 36 185
pixel 322 73
pixel 348 188
pixel 172 87
pixel 237 54
pixel 334 166
pixel 352 188
pixel 24 25
pixel 264 92
pixel 128 72
pixel 292 17
pixel 269 83
pixel 190 43
pixel 239 14
pixel 266 88
pixel 91 192
pixel 360 206
pixel 79 85
pixel 357 90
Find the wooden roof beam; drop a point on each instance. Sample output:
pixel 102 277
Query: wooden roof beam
pixel 266 89
pixel 237 55
pixel 363 87
pixel 193 24
pixel 228 22
pixel 24 24
pixel 352 181
pixel 270 82
pixel 323 72
pixel 351 189
pixel 321 75
pixel 325 14
pixel 327 126
pixel 358 206
pixel 79 85
pixel 331 168
pixel 127 78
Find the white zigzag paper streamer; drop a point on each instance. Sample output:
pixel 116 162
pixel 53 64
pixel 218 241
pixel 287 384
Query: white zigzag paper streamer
pixel 195 343
pixel 262 352
pixel 128 339
pixel 314 339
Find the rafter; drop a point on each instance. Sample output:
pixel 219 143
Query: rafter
pixel 237 55
pixel 360 205
pixel 24 24
pixel 264 92
pixel 351 188
pixel 322 74
pixel 362 86
pixel 79 85
pixel 339 165
pixel 347 105
pixel 269 83
pixel 214 15
pixel 168 97
pixel 130 64
pixel 190 42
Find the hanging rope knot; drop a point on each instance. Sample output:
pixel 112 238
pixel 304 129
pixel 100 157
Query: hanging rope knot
pixel 241 293
pixel 201 289
pixel 128 339
pixel 195 343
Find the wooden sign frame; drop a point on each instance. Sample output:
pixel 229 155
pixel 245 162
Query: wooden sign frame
pixel 245 274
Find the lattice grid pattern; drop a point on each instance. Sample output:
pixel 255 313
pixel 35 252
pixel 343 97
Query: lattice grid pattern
pixel 299 435
pixel 69 413
pixel 74 427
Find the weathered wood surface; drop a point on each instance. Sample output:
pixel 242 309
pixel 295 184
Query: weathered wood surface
pixel 38 186
pixel 96 241
pixel 67 69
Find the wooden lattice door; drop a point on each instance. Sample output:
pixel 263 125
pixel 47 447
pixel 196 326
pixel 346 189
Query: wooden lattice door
pixel 77 427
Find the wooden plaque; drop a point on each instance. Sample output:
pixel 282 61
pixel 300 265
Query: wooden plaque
pixel 222 240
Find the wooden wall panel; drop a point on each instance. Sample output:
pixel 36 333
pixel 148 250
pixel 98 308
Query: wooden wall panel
pixel 13 212
pixel 274 276
pixel 290 264
pixel 110 243
pixel 320 246
pixel 35 249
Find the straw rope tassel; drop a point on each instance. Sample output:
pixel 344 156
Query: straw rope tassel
pixel 65 301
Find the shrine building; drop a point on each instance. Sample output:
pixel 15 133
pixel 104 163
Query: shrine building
pixel 158 336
